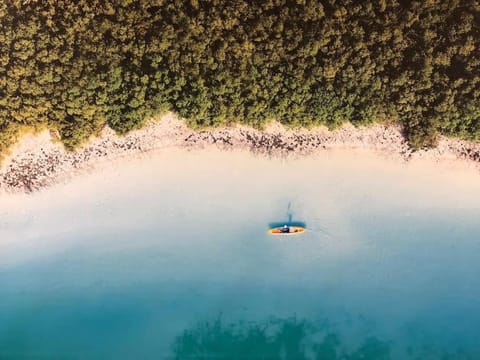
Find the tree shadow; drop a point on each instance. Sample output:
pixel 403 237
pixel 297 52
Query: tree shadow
pixel 289 338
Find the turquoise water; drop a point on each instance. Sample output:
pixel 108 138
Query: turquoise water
pixel 178 264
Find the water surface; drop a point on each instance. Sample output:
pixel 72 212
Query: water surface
pixel 168 257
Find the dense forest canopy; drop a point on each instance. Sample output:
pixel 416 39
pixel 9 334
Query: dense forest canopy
pixel 76 66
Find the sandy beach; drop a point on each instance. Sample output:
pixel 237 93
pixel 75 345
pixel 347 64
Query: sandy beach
pixel 37 161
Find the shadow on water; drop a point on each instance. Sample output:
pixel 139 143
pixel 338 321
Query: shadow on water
pixel 294 338
pixel 289 222
pixel 316 228
pixel 289 338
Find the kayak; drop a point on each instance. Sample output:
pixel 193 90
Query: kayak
pixel 294 230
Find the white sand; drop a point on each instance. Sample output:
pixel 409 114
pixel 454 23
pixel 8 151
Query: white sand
pixel 37 162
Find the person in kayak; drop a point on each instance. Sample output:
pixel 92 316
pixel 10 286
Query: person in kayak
pixel 285 229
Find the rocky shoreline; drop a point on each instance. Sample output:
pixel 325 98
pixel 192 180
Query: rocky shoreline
pixel 37 162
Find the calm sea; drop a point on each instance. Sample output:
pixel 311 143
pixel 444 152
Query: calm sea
pixel 168 257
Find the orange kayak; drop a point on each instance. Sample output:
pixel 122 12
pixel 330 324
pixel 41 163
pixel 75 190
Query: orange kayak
pixel 291 230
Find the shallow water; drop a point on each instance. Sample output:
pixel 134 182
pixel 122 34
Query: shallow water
pixel 168 257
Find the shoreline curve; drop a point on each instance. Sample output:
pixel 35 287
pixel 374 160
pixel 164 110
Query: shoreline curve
pixel 37 162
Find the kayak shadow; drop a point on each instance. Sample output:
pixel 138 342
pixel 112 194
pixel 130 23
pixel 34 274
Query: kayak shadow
pixel 288 223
